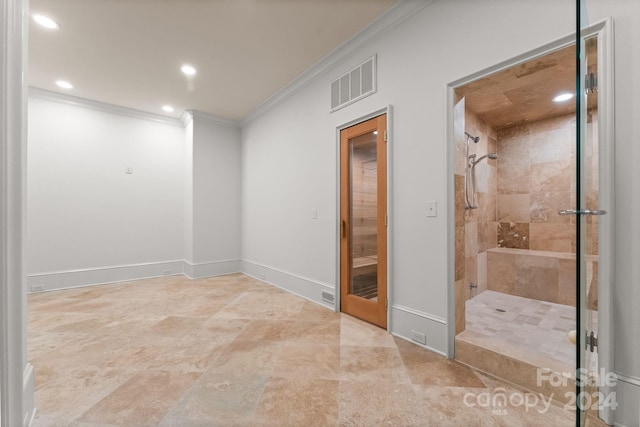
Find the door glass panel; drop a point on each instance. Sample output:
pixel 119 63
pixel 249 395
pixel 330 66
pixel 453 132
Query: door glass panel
pixel 364 218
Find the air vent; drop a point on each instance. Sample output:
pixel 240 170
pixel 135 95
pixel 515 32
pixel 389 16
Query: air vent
pixel 354 85
pixel 328 297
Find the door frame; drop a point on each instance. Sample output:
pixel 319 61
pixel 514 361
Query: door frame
pixel 604 30
pixel 388 110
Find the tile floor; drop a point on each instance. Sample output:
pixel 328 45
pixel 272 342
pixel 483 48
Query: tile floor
pixel 529 326
pixel 233 351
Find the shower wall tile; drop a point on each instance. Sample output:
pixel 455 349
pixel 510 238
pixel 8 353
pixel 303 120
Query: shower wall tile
pixel 461 295
pixel 459 137
pixel 550 237
pixel 486 211
pixel 459 253
pixel 537 277
pixel 471 239
pixel 476 229
pixel 536 169
pixel 501 272
pixel 513 207
pixel 481 272
pixel 458 182
pixel 592 284
pixel 487 236
pixel 567 282
pixel 513 235
pixel 472 272
pixel 551 176
pixel 545 206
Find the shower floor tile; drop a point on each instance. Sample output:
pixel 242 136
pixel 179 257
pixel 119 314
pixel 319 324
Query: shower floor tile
pixel 522 326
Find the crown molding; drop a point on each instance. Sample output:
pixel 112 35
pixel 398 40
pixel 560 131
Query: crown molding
pixel 396 15
pixel 209 118
pixel 36 92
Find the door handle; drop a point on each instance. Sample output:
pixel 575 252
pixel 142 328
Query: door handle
pixel 343 229
pixel 596 212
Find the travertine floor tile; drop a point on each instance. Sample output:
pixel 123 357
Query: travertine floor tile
pixel 231 350
pixel 287 402
pixel 154 393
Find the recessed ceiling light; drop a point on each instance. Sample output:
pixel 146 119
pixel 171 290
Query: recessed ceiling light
pixel 563 97
pixel 167 108
pixel 46 22
pixel 64 84
pixel 188 70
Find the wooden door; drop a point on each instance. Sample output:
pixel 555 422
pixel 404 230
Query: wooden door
pixel 363 221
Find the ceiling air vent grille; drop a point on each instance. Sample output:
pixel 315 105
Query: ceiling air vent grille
pixel 354 85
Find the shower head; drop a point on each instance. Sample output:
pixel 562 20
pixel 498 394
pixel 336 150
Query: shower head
pixel 473 138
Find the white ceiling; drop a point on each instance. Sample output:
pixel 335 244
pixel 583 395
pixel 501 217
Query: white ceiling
pixel 129 52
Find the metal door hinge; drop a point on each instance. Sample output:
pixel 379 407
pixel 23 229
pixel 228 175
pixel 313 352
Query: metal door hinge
pixel 386 220
pixel 385 136
pixel 591 341
pixel 386 303
pixel 590 83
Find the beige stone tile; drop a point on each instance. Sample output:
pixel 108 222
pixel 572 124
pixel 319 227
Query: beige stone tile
pixel 66 397
pixel 372 364
pixel 242 358
pixel 263 305
pixel 308 361
pixel 471 239
pixel 545 206
pixel 459 202
pixel 430 369
pixel 378 403
pixel 501 272
pixel 355 332
pixel 446 407
pixel 218 399
pixel 174 326
pixel 156 352
pixel 472 270
pixel 154 393
pixel 288 402
pixel 482 272
pixel 313 312
pixel 287 330
pixel 460 252
pixel 550 237
pixel 513 208
pixel 567 282
pixel 461 296
pixel 552 176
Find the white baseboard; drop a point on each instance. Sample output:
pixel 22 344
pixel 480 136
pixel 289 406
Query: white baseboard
pixel 304 287
pixel 211 268
pixel 28 390
pixel 75 278
pixel 627 389
pixel 404 320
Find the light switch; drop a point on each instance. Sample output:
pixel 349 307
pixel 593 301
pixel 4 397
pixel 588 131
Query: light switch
pixel 128 170
pixel 432 208
pixel 314 213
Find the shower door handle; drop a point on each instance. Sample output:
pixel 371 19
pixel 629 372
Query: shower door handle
pixel 597 212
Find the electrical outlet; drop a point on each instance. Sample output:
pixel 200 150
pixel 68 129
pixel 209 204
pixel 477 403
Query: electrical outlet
pixel 419 337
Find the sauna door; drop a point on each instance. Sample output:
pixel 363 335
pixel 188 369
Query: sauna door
pixel 363 221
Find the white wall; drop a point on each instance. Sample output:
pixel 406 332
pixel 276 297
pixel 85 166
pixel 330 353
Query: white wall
pixel 212 243
pixel 289 157
pixel 86 215
pixel 16 374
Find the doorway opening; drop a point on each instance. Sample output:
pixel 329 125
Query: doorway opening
pixel 520 181
pixel 363 221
